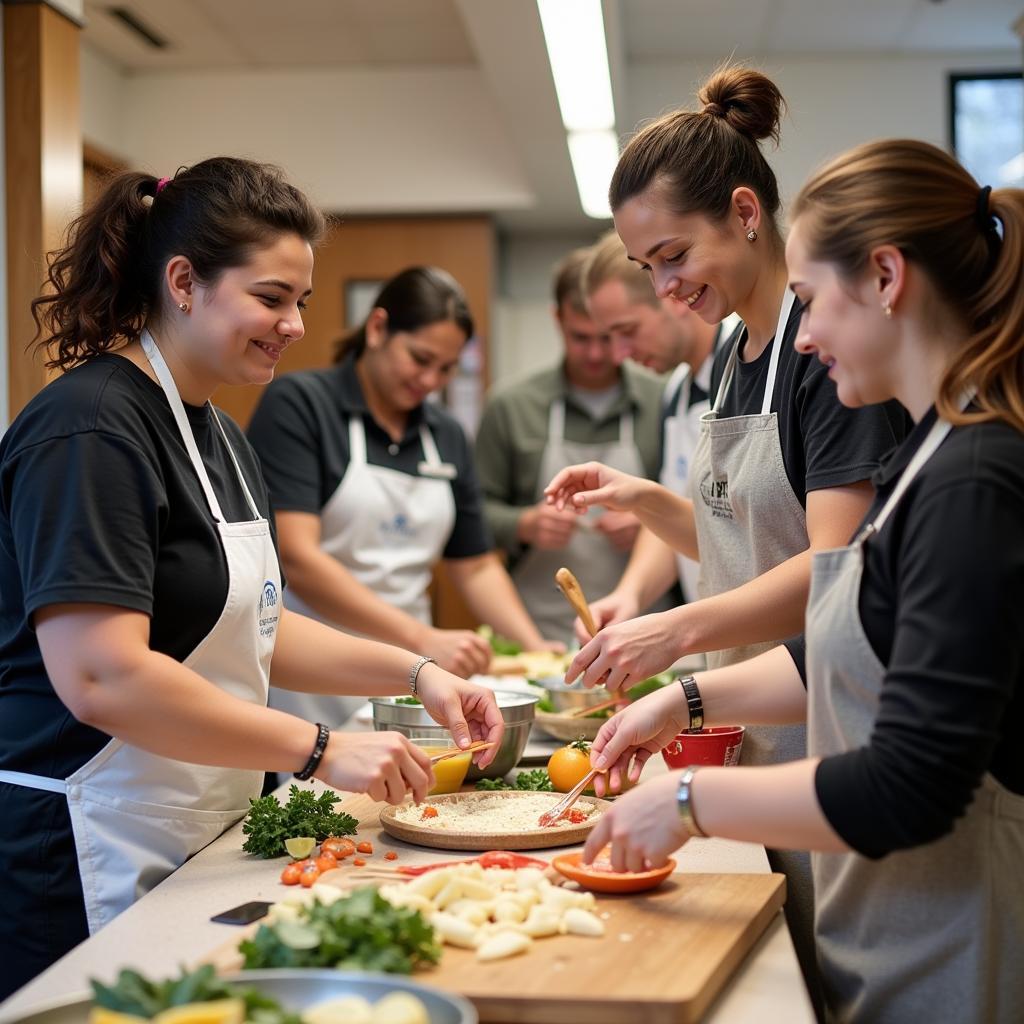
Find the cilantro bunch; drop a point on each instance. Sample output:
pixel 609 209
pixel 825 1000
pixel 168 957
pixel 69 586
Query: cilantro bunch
pixel 268 824
pixel 536 780
pixel 362 931
pixel 135 994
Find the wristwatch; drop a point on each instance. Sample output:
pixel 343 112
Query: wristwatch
pixel 694 703
pixel 684 805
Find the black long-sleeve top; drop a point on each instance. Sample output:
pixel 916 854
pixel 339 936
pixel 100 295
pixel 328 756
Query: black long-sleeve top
pixel 942 604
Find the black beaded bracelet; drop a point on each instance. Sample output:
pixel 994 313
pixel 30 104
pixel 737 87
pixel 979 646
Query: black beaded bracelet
pixel 693 703
pixel 322 735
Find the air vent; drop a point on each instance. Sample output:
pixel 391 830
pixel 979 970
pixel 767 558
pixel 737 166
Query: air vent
pixel 132 21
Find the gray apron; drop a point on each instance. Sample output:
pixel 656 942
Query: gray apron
pixel 596 564
pixel 932 933
pixel 748 521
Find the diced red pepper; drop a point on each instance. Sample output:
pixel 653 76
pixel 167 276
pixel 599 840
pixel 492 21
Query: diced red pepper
pixel 391 855
pixel 359 862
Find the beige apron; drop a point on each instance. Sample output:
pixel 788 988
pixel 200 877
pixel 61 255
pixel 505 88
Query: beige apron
pixel 389 530
pixel 930 934
pixel 137 816
pixel 597 565
pixel 748 521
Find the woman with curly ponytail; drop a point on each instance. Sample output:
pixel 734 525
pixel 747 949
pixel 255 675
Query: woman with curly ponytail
pixel 911 670
pixel 141 620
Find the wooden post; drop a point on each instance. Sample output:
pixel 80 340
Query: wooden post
pixel 43 169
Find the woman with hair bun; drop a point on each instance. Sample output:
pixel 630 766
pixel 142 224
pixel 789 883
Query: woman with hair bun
pixel 373 486
pixel 141 621
pixel 781 468
pixel 910 673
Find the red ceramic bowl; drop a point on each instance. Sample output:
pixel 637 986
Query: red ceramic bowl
pixel 720 745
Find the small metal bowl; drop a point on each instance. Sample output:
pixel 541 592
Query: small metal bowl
pixel 296 989
pixel 569 698
pixel 412 720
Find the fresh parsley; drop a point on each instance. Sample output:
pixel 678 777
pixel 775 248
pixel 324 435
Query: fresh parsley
pixel 362 931
pixel 409 700
pixel 536 780
pixel 268 824
pixel 135 994
pixel 499 644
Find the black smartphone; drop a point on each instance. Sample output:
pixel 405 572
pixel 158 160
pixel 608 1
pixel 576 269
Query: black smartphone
pixel 245 913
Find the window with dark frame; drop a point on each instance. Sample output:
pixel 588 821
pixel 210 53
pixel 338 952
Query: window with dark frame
pixel 986 125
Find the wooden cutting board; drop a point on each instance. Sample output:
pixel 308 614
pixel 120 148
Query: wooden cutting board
pixel 665 956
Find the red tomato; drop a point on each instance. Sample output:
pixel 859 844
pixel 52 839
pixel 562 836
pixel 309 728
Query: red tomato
pixel 291 874
pixel 364 847
pixel 339 846
pixel 429 812
pixel 391 855
pixel 359 863
pixel 309 875
pixel 576 816
pixel 326 861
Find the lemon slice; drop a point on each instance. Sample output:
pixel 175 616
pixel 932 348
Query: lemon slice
pixel 216 1011
pixel 300 846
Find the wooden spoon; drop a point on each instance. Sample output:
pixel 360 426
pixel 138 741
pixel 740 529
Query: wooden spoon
pixel 570 586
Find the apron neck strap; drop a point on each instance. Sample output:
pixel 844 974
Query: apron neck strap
pixel 676 392
pixel 170 389
pixel 778 340
pixel 431 456
pixel 356 440
pixel 556 420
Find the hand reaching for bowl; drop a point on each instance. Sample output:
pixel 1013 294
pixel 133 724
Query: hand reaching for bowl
pixel 468 711
pixel 627 740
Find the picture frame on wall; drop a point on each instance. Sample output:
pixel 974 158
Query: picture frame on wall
pixel 358 297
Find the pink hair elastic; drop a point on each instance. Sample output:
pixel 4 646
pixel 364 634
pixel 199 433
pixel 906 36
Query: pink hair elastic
pixel 161 185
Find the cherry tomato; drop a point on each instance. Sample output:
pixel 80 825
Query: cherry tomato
pixel 291 874
pixel 358 862
pixel 568 765
pixel 429 812
pixel 309 876
pixel 391 855
pixel 326 861
pixel 364 847
pixel 339 846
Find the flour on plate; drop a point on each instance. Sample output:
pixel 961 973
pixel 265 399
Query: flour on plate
pixel 495 814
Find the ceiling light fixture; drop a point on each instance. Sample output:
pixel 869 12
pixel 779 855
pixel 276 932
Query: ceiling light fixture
pixel 578 54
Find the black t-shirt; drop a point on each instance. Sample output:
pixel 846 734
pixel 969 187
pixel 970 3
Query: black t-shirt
pixel 942 605
pixel 300 431
pixel 824 444
pixel 99 503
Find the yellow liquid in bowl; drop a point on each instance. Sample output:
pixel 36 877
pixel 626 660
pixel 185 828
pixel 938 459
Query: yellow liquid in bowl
pixel 450 773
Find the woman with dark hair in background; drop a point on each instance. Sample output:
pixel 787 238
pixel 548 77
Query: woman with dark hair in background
pixel 140 615
pixel 372 486
pixel 780 468
pixel 913 794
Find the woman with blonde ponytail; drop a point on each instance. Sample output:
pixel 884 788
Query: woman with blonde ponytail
pixel 911 668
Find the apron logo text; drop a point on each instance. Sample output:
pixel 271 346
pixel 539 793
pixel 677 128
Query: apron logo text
pixel 268 600
pixel 715 494
pixel 398 527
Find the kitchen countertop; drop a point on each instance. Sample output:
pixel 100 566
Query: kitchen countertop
pixel 171 926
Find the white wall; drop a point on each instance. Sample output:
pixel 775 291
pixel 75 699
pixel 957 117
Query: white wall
pixel 400 140
pixel 103 94
pixel 834 102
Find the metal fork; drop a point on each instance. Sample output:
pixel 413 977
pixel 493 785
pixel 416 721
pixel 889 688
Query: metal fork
pixel 550 817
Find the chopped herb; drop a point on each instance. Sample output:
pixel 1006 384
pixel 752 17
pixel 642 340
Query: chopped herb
pixel 268 824
pixel 409 700
pixel 362 931
pixel 536 780
pixel 499 644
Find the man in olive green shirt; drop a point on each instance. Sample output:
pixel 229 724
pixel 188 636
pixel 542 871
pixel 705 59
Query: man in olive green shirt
pixel 586 408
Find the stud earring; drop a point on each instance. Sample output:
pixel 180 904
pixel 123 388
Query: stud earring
pixel 887 310
pixel 183 306
pixel 751 235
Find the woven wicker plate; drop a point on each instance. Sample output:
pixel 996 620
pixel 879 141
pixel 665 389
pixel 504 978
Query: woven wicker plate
pixel 532 839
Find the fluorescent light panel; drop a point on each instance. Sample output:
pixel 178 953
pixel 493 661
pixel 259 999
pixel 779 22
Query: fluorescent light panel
pixel 574 34
pixel 594 156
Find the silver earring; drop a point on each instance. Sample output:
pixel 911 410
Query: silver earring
pixel 887 310
pixel 183 306
pixel 751 235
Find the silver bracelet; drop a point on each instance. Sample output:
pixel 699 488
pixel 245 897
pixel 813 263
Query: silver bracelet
pixel 684 802
pixel 415 671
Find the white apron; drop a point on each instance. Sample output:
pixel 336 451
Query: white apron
pixel 680 434
pixel 596 564
pixel 389 529
pixel 748 521
pixel 137 816
pixel 932 933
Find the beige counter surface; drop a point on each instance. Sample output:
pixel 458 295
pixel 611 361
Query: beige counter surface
pixel 171 926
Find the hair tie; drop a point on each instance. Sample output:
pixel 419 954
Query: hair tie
pixel 714 108
pixel 981 210
pixel 161 185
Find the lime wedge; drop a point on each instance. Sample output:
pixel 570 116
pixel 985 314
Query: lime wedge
pixel 300 846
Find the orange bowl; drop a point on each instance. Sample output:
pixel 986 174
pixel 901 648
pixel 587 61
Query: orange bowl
pixel 601 880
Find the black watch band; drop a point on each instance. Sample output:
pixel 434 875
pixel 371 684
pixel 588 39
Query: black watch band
pixel 322 735
pixel 693 703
